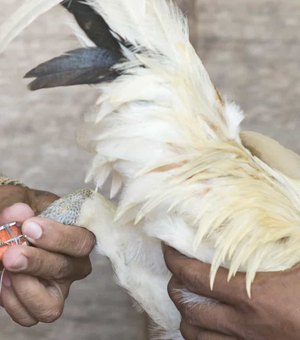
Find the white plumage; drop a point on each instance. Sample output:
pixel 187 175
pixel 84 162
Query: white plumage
pixel 170 145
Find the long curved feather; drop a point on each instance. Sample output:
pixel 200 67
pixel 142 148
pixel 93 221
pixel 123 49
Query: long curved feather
pixel 92 24
pixel 81 66
pixel 23 17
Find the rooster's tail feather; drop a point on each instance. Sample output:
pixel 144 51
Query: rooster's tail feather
pixel 22 18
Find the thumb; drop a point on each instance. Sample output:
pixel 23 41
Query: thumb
pixel 272 153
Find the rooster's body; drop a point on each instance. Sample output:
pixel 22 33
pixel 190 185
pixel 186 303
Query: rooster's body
pixel 170 145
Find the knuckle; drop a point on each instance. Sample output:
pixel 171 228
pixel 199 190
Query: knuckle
pixel 187 313
pixel 52 313
pixel 63 264
pixel 196 281
pixel 191 277
pixel 186 309
pixel 35 263
pixel 183 273
pixel 190 274
pixel 51 241
pixel 59 241
pixel 26 322
pixel 86 244
pixel 55 235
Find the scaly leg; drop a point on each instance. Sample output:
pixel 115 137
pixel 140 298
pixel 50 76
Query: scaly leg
pixel 137 258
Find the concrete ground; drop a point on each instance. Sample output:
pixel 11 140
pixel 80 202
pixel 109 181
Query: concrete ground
pixel 251 49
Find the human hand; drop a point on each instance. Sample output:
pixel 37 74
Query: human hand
pixel 37 279
pixel 38 200
pixel 272 312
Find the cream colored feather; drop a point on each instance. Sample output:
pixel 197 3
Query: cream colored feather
pixel 23 17
pixel 171 145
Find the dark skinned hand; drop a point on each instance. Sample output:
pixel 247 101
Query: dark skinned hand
pixel 37 200
pixel 37 279
pixel 272 313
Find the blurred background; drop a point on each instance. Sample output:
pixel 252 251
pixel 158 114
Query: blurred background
pixel 251 50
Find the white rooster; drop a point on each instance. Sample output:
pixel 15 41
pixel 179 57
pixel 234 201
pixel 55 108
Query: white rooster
pixel 170 145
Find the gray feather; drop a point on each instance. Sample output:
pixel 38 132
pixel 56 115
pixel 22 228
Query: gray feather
pixel 92 24
pixel 81 66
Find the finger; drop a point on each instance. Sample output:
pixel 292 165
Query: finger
pixel 44 264
pixel 13 306
pixel 201 312
pixel 195 333
pixel 195 276
pixel 44 301
pixel 18 212
pixel 58 238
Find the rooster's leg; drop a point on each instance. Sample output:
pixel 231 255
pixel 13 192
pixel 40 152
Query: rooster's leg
pixel 132 253
pixel 67 209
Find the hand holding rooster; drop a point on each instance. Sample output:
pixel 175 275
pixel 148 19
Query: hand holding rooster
pixel 37 279
pixel 273 310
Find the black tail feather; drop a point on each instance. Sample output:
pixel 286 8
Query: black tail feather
pixel 92 24
pixel 85 65
pixel 81 66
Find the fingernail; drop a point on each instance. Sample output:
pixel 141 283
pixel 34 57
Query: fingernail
pixel 6 280
pixel 32 230
pixel 19 263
